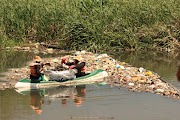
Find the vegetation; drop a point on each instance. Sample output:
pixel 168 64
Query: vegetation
pixel 91 24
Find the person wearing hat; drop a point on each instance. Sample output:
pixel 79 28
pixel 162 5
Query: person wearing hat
pixel 77 64
pixel 36 68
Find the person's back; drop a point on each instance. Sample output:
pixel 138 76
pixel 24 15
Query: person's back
pixel 35 69
pixel 76 64
pixel 80 69
pixel 178 73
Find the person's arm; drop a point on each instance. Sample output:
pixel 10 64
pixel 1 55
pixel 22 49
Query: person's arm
pixel 63 61
pixel 69 63
pixel 81 65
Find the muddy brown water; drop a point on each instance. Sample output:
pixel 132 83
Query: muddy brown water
pixel 95 101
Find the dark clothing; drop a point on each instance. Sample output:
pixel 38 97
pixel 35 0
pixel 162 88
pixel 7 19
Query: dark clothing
pixel 34 77
pixel 36 72
pixel 38 67
pixel 178 74
pixel 78 67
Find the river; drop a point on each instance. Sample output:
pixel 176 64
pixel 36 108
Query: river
pixel 95 101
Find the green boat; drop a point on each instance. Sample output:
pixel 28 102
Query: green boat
pixel 95 76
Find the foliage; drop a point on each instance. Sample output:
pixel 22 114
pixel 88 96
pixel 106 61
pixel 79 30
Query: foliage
pixel 91 24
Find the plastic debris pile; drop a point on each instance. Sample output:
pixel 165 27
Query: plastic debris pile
pixel 120 74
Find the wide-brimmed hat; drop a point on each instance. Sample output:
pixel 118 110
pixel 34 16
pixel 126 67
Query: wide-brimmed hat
pixel 79 58
pixel 37 58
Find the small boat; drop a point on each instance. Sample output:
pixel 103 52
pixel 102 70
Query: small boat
pixel 93 77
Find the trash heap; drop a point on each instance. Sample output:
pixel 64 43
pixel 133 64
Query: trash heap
pixel 120 74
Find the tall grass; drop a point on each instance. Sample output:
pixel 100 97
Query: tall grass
pixel 90 24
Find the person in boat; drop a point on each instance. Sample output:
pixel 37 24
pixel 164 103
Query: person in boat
pixel 77 64
pixel 36 68
pixel 178 72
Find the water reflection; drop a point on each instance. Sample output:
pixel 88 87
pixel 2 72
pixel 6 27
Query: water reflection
pixel 165 64
pixel 36 101
pixel 13 59
pixel 18 59
pixel 48 95
pixel 59 103
pixel 70 93
pixel 149 60
pixel 76 94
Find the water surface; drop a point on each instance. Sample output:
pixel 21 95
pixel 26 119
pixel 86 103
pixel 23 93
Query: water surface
pixel 93 101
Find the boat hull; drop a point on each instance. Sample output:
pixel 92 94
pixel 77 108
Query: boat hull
pixel 96 76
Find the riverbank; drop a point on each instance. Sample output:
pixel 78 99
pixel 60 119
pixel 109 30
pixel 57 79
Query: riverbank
pixel 121 74
pixel 92 25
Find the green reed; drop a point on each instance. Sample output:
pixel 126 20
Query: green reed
pixel 90 24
